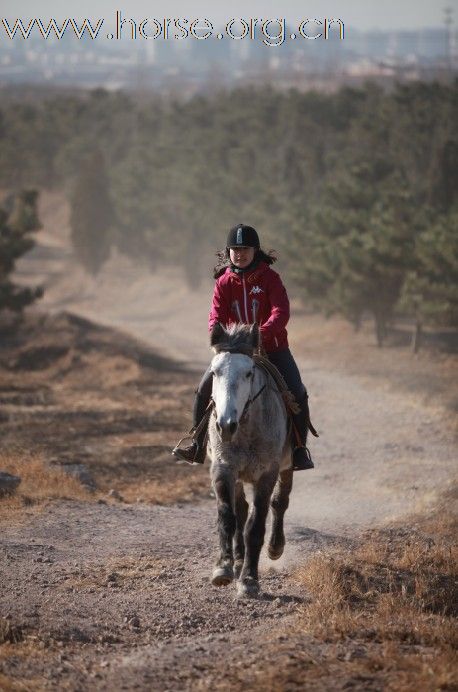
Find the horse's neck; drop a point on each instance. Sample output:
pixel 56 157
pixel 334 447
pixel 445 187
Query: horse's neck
pixel 259 380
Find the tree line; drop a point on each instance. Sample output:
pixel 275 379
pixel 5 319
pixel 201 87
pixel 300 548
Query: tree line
pixel 356 190
pixel 18 224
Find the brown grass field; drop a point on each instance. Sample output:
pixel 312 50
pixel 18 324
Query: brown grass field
pixel 73 394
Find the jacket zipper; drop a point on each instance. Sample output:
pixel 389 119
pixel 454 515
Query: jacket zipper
pixel 244 299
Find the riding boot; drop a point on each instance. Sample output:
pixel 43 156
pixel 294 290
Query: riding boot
pixel 300 454
pixel 196 452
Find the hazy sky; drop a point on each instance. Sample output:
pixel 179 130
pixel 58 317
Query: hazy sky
pixel 361 14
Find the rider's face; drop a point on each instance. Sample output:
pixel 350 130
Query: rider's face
pixel 241 256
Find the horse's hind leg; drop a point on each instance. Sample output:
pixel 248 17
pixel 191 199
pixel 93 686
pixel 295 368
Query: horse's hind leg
pixel 255 529
pixel 279 504
pixel 241 513
pixel 223 485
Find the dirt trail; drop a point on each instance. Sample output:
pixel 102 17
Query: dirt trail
pixel 124 591
pixel 380 453
pixel 118 596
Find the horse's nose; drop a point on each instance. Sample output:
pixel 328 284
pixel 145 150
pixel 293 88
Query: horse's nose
pixel 226 428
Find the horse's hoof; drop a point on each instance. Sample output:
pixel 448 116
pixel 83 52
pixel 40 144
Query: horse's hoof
pixel 247 589
pixel 238 564
pixel 275 551
pixel 222 576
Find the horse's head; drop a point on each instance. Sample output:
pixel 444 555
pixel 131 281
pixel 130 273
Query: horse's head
pixel 233 372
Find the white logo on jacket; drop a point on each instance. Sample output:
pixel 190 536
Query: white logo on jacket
pixel 256 289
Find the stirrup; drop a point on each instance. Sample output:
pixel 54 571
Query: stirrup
pixel 179 453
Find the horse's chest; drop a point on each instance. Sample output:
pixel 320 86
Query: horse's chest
pixel 249 462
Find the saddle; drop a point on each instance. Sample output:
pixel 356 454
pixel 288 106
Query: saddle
pixel 291 405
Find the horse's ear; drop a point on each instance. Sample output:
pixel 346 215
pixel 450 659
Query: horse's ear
pixel 216 334
pixel 255 336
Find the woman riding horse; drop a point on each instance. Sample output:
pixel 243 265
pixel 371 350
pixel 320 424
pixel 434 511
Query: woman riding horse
pixel 248 290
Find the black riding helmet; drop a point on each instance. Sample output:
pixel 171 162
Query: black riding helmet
pixel 243 236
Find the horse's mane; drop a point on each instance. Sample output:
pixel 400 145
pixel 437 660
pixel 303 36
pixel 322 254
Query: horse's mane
pixel 236 338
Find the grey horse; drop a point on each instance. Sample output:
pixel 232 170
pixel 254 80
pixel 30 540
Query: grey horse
pixel 248 443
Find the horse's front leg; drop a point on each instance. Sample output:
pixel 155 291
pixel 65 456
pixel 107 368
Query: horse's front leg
pixel 241 513
pixel 255 529
pixel 224 488
pixel 279 504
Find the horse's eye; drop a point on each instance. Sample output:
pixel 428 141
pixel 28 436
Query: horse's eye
pixel 248 373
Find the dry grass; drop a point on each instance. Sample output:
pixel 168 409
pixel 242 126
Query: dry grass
pixel 181 488
pixel 79 393
pixel 9 685
pixel 348 588
pixel 9 632
pixel 396 596
pixel 27 650
pixel 40 483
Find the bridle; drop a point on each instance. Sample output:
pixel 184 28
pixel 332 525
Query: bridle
pixel 195 430
pixel 246 351
pixel 249 402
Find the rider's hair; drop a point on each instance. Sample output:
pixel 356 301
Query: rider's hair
pixel 223 260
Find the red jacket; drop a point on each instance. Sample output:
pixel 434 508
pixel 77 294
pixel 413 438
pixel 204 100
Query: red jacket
pixel 255 296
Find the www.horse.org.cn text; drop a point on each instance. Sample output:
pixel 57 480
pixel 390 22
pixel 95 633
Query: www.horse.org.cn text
pixel 271 32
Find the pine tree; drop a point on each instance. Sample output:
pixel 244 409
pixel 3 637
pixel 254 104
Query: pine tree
pixel 431 288
pixel 15 241
pixel 92 216
pixel 359 246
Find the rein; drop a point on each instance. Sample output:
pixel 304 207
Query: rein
pixel 248 404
